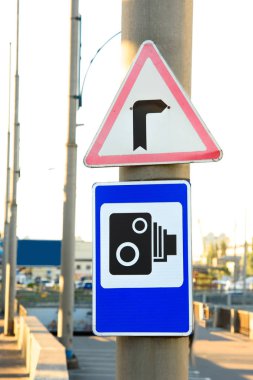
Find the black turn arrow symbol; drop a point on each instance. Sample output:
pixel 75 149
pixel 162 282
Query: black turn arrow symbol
pixel 140 110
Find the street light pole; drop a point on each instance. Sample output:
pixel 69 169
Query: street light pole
pixel 66 306
pixel 10 275
pixel 7 195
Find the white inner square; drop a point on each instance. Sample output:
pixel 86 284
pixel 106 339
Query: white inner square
pixel 169 215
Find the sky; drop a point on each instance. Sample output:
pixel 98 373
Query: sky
pixel 222 79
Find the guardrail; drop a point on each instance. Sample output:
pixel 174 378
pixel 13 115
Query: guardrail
pixel 224 298
pixel 242 322
pixel 44 355
pixel 231 319
pixel 22 311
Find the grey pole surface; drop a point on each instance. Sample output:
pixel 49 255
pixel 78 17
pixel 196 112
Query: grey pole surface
pixel 66 306
pixel 10 275
pixel 169 24
pixel 244 270
pixel 7 195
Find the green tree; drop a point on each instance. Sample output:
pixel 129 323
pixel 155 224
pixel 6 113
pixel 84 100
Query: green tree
pixel 212 253
pixel 223 248
pixel 250 264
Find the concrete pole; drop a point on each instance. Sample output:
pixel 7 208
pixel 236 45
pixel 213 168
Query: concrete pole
pixel 10 282
pixel 65 313
pixel 244 270
pixel 7 196
pixel 169 24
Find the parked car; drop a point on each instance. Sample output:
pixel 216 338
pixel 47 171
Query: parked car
pixel 21 278
pixel 78 284
pixel 49 284
pixel 87 285
pixel 221 284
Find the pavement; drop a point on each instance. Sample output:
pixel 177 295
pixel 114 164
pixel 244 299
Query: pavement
pixel 217 355
pixel 220 355
pixel 96 358
pixel 12 365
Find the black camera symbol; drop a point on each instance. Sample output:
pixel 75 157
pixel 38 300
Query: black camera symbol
pixel 135 242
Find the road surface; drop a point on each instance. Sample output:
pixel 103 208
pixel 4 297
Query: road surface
pixel 217 355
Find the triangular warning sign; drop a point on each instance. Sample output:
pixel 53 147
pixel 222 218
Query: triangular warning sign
pixel 151 120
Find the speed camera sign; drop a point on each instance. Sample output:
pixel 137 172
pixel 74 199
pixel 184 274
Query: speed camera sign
pixel 142 258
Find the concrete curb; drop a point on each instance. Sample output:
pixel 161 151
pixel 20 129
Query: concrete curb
pixel 44 355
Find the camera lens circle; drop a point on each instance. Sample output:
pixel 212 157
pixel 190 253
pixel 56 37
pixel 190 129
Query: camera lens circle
pixel 139 222
pixel 136 254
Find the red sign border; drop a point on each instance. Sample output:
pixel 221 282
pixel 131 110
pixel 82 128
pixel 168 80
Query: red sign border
pixel 212 153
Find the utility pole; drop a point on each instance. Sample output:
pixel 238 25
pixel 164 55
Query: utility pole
pixel 244 274
pixel 66 306
pixel 10 275
pixel 7 194
pixel 169 24
pixel 245 270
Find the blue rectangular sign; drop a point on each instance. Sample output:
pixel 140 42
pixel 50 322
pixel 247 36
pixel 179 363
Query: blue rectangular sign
pixel 39 252
pixel 142 258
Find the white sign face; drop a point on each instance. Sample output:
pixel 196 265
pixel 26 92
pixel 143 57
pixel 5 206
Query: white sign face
pixel 151 120
pixel 167 131
pixel 148 233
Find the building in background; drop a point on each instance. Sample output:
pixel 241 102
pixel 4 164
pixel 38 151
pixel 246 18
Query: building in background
pixel 83 265
pixel 83 259
pixel 222 263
